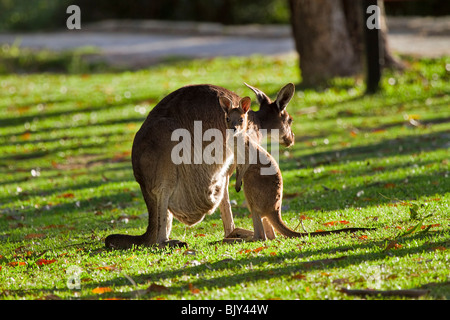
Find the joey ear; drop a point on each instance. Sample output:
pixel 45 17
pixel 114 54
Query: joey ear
pixel 260 96
pixel 284 96
pixel 245 103
pixel 225 103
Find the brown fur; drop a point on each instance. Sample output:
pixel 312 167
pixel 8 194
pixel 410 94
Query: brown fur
pixel 263 192
pixel 188 191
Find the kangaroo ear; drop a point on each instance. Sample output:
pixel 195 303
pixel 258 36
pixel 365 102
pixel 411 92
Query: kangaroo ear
pixel 245 103
pixel 225 103
pixel 260 96
pixel 284 96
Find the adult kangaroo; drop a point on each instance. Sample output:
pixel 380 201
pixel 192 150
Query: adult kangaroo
pixel 190 191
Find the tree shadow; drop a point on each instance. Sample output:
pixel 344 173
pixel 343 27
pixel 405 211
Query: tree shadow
pixel 285 265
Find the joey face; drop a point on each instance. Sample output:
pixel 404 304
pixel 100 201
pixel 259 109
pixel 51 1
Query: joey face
pixel 236 116
pixel 236 120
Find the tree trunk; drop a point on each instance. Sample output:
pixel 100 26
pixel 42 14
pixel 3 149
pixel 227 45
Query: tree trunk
pixel 329 39
pixel 322 40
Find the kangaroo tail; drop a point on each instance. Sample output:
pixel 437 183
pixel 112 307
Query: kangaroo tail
pixel 278 224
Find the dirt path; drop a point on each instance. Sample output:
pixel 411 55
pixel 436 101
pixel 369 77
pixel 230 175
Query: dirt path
pixel 139 43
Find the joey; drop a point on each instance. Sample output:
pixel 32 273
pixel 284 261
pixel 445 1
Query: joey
pixel 263 189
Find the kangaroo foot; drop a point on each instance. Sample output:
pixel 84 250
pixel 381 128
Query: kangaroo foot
pixel 173 244
pixel 240 233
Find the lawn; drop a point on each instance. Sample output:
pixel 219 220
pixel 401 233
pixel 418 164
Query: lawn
pixel 377 161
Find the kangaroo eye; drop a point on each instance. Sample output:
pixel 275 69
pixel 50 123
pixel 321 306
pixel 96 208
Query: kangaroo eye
pixel 241 120
pixel 228 119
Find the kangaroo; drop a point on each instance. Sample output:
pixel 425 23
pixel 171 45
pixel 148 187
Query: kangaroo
pixel 190 191
pixel 263 190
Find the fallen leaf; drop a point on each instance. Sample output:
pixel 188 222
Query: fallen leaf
pixel 299 276
pixel 157 288
pixel 109 268
pixel 26 136
pixel 35 236
pixel 363 237
pixel 389 185
pixel 392 245
pixel 200 235
pixel 193 289
pixel 66 195
pixel 101 290
pixel 41 262
pixel 16 263
pixel 440 248
pixel 430 226
pixel 332 223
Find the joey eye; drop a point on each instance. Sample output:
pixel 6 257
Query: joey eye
pixel 241 120
pixel 228 119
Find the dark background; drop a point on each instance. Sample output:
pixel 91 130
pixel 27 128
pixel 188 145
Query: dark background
pixel 26 15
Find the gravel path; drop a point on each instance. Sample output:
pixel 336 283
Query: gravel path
pixel 139 43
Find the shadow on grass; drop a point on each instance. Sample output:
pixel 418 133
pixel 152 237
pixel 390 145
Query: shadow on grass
pixel 438 290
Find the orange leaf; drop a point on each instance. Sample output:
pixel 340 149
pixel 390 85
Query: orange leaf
pixel 193 289
pixel 26 136
pixel 109 268
pixel 200 235
pixel 389 185
pixel 258 249
pixel 41 262
pixel 362 237
pixel 440 248
pixel 101 290
pixel 299 276
pixel 332 223
pixel 273 253
pixel 15 263
pixel 34 235
pixel 393 245
pixel 66 195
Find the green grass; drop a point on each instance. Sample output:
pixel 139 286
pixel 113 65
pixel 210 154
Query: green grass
pixel 359 161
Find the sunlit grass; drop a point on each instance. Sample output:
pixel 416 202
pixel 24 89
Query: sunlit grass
pixel 358 161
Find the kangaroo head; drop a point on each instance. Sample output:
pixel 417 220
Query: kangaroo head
pixel 273 114
pixel 235 116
